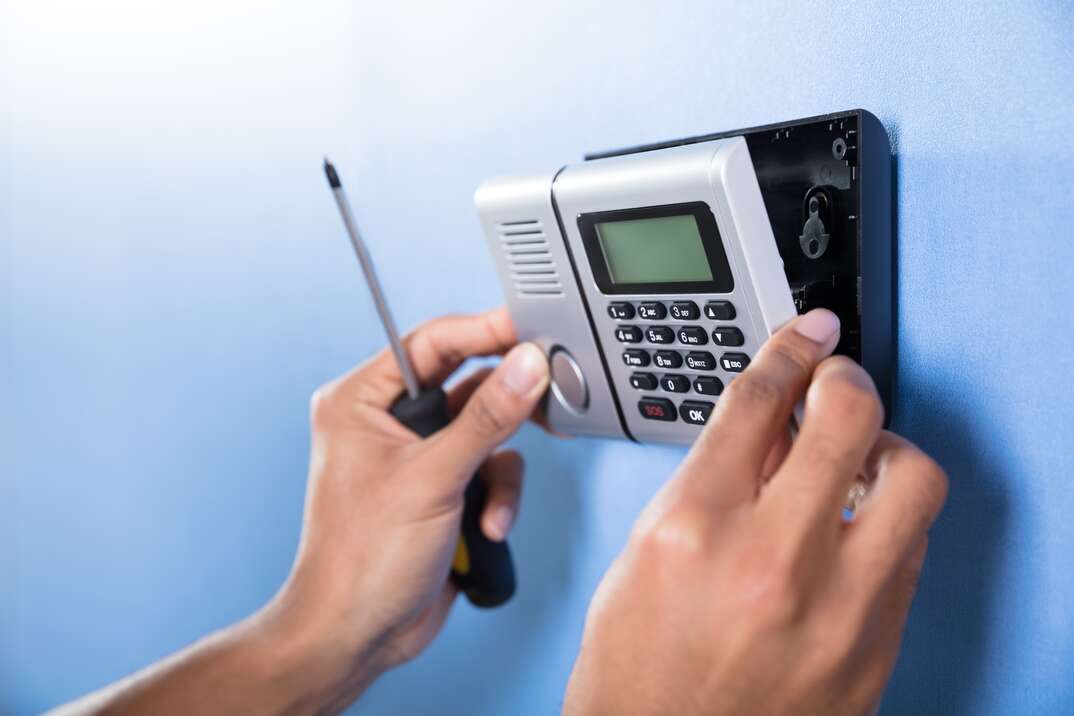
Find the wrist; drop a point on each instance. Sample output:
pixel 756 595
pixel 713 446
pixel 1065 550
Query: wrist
pixel 304 650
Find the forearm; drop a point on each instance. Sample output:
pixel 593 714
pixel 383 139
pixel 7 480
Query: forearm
pixel 369 589
pixel 270 663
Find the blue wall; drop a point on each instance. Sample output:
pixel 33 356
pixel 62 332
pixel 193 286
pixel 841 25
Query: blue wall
pixel 175 284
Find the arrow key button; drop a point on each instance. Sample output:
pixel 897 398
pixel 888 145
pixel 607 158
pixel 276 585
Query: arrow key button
pixel 727 336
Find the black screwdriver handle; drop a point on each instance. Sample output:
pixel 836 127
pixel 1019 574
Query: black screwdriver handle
pixel 482 569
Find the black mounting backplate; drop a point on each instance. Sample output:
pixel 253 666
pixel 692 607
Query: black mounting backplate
pixel 826 183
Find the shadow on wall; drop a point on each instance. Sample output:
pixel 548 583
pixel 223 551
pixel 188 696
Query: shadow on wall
pixel 940 669
pixel 489 651
pixel 946 641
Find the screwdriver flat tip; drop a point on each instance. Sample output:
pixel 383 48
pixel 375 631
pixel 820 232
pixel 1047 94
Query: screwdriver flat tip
pixel 330 172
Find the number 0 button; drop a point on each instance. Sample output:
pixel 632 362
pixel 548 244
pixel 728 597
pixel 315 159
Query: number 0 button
pixel 675 383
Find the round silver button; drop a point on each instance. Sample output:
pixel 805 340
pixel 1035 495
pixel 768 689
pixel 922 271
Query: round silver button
pixel 568 381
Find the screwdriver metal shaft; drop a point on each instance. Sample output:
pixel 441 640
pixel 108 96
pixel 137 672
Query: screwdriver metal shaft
pixel 482 569
pixel 366 261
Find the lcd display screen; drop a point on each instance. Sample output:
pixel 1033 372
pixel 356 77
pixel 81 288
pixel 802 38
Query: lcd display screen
pixel 665 249
pixel 668 248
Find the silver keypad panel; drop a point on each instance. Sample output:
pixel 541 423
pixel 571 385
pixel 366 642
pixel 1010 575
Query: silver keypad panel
pixel 681 355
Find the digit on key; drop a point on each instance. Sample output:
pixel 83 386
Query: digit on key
pixel 667 359
pixel 693 336
pixel 700 360
pixel 684 311
pixel 636 357
pixel 652 311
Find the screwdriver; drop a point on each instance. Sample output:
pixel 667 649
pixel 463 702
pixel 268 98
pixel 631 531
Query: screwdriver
pixel 482 569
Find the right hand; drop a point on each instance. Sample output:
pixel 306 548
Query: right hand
pixel 370 589
pixel 742 589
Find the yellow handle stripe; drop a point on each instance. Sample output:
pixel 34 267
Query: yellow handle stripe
pixel 461 563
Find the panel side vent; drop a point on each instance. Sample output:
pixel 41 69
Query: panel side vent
pixel 525 247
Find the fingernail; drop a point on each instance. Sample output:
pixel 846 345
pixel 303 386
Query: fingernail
pixel 819 325
pixel 524 368
pixel 501 519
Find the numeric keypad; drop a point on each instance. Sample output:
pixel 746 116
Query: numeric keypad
pixel 677 349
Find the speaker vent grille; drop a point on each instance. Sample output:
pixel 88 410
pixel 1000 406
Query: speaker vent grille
pixel 525 247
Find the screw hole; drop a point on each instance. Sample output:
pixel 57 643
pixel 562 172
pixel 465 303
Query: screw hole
pixel 839 148
pixel 814 247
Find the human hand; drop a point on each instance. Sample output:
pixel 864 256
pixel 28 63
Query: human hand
pixel 370 587
pixel 742 589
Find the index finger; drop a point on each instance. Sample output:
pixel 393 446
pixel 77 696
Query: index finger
pixel 436 349
pixel 754 412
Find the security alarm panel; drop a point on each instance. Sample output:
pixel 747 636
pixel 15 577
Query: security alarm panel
pixel 651 276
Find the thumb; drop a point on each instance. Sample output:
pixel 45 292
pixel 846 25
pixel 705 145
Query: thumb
pixel 492 414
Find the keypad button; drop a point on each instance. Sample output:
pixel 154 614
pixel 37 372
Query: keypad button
pixel 692 335
pixel 660 334
pixel 628 334
pixel 667 359
pixel 695 411
pixel 643 381
pixel 734 362
pixel 652 311
pixel 621 310
pixel 700 360
pixel 727 336
pixel 657 409
pixel 708 385
pixel 720 310
pixel 675 383
pixel 636 357
pixel 685 311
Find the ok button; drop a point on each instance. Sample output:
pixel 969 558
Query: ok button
pixel 695 411
pixel 693 336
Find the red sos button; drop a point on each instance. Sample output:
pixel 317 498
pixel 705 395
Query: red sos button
pixel 657 409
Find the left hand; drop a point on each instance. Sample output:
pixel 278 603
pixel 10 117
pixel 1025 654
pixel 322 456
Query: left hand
pixel 370 583
pixel 743 589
